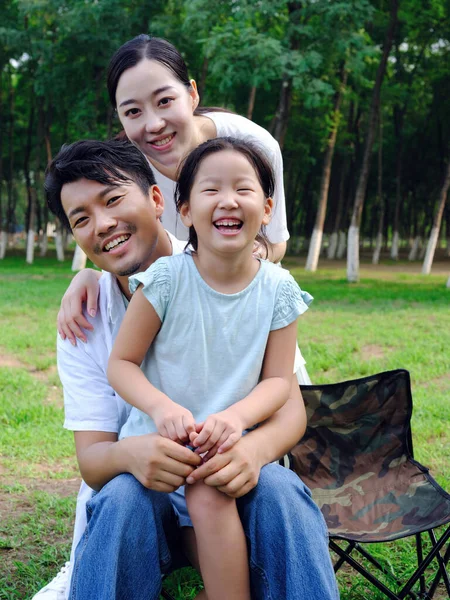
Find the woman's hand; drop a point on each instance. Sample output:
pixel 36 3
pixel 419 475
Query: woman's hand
pixel 235 472
pixel 84 288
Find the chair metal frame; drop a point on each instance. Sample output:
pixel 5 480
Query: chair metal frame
pixel 439 552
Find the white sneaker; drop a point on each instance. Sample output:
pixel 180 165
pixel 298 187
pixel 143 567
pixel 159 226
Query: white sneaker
pixel 56 589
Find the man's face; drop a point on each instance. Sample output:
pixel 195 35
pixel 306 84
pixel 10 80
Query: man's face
pixel 116 226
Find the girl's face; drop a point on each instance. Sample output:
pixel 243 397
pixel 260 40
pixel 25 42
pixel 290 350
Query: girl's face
pixel 227 205
pixel 156 111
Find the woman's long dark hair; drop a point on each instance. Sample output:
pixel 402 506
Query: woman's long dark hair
pixel 152 48
pixel 189 167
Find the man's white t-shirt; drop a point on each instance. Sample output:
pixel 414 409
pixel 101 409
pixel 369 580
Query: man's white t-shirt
pixel 229 124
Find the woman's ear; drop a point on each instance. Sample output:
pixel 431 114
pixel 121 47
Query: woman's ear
pixel 185 214
pixel 193 92
pixel 268 207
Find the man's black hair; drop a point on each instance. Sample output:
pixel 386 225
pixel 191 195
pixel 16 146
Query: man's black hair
pixel 110 163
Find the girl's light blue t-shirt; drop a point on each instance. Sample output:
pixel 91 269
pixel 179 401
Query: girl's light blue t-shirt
pixel 209 351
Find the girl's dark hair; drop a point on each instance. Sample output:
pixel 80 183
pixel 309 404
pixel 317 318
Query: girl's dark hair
pixel 189 167
pixel 152 48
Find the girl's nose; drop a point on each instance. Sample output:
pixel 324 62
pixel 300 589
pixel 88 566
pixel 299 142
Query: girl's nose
pixel 228 200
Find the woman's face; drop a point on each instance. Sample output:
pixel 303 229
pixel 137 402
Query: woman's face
pixel 156 111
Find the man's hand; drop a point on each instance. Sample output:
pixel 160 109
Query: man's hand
pixel 158 463
pixel 218 433
pixel 234 472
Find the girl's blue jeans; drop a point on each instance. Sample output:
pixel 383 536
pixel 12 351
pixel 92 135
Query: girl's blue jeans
pixel 132 539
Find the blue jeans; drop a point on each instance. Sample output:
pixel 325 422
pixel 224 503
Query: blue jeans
pixel 132 538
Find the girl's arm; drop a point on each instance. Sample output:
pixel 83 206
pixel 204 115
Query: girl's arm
pixel 136 334
pixel 83 289
pixel 225 428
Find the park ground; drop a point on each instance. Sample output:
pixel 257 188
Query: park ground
pixel 393 318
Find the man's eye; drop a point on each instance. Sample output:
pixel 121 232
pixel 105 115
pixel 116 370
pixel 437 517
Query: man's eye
pixel 79 221
pixel 132 112
pixel 112 200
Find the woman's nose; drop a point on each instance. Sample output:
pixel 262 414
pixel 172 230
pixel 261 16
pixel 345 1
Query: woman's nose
pixel 154 123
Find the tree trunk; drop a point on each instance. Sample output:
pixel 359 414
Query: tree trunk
pixel 416 245
pixel 353 247
pixel 11 211
pixel 79 259
pixel 432 242
pixel 379 242
pixel 316 239
pixel 342 245
pixel 251 102
pixel 59 243
pixel 202 82
pixel 31 192
pixel 2 232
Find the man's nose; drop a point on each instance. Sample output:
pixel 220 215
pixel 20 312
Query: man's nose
pixel 104 222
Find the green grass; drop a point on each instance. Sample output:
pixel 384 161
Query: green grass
pixel 388 320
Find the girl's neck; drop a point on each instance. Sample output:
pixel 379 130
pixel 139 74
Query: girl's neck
pixel 227 274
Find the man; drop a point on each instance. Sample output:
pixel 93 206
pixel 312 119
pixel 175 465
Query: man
pixel 106 194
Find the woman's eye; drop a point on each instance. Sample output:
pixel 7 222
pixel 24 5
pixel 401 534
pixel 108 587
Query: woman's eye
pixel 165 101
pixel 132 112
pixel 244 190
pixel 210 190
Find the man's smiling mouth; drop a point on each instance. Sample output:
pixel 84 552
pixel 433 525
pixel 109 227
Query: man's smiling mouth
pixel 116 242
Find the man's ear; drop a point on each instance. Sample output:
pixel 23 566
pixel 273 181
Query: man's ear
pixel 158 200
pixel 193 92
pixel 185 215
pixel 268 207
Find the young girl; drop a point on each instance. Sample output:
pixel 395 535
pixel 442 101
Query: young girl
pixel 214 332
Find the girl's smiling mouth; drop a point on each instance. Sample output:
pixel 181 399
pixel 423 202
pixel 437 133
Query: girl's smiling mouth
pixel 228 226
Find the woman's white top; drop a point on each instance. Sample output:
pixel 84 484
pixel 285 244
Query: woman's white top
pixel 229 124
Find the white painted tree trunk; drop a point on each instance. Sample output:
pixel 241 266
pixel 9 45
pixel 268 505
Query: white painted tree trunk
pixel 314 250
pixel 423 249
pixel 394 248
pixel 413 253
pixel 332 246
pixel 353 254
pixel 44 244
pixel 378 246
pixel 3 244
pixel 30 247
pixel 79 259
pixel 342 245
pixel 431 248
pixel 59 246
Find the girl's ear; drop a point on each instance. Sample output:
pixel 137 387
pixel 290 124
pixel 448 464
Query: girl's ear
pixel 193 92
pixel 268 207
pixel 185 214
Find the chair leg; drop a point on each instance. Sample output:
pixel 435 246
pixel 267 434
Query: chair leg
pixel 442 570
pixel 373 580
pixel 432 554
pixel 338 564
pixel 423 588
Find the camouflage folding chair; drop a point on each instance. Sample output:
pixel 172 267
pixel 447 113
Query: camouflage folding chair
pixel 356 457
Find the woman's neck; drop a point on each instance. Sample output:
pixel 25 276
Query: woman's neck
pixel 227 273
pixel 204 130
